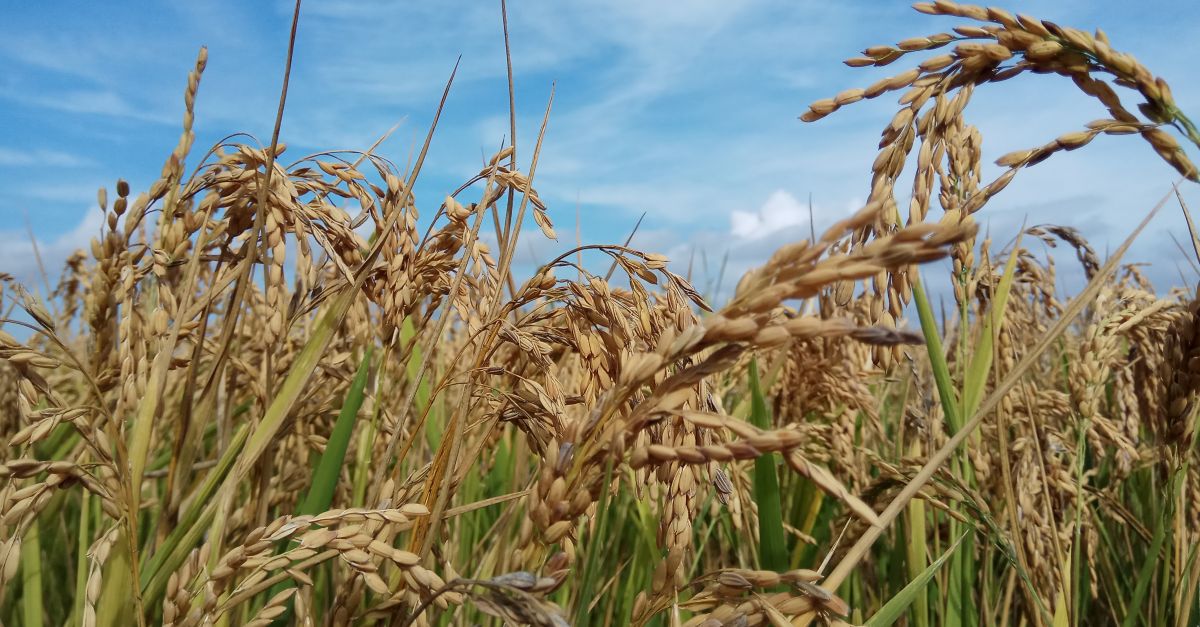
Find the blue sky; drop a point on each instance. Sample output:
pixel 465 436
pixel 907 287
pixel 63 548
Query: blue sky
pixel 684 110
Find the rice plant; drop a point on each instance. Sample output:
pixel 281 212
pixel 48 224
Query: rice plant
pixel 274 391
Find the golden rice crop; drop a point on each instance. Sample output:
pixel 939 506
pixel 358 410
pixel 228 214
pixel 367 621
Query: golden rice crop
pixel 235 409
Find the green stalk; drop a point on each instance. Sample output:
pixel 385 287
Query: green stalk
pixel 81 563
pixel 329 469
pixel 1077 554
pixel 980 367
pixel 32 611
pixel 595 548
pixel 114 606
pixel 412 369
pixel 1151 558
pixel 772 545
pixel 959 585
pixel 917 551
pixel 362 465
pixel 937 356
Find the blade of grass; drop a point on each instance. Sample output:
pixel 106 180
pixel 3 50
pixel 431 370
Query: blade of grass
pixel 1062 616
pixel 772 544
pixel 113 606
pixel 1150 561
pixel 32 611
pixel 81 565
pixel 937 358
pixel 917 551
pixel 1073 566
pixel 895 606
pixel 329 468
pixel 1189 586
pixel 980 368
pixel 592 558
pixel 366 443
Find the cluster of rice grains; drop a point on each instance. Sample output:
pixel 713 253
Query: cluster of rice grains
pixel 1069 438
pixel 163 417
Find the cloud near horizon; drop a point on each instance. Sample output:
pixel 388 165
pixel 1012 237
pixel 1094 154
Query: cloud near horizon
pixel 25 258
pixel 783 211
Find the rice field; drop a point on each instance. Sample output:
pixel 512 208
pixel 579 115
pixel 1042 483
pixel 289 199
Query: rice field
pixel 282 389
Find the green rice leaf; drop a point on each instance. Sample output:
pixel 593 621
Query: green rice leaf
pixel 329 468
pixel 772 545
pixel 895 607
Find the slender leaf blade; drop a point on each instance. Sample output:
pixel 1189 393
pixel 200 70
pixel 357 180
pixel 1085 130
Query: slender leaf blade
pixel 772 544
pixel 895 607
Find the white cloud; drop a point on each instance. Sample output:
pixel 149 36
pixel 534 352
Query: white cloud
pixel 493 129
pixel 39 157
pixel 100 102
pixel 783 211
pixel 17 251
pixel 780 211
pixel 71 192
pixel 97 102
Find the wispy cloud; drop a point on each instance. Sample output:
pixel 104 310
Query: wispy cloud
pixel 98 102
pixel 17 254
pixel 40 157
pixel 74 193
pixel 781 211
